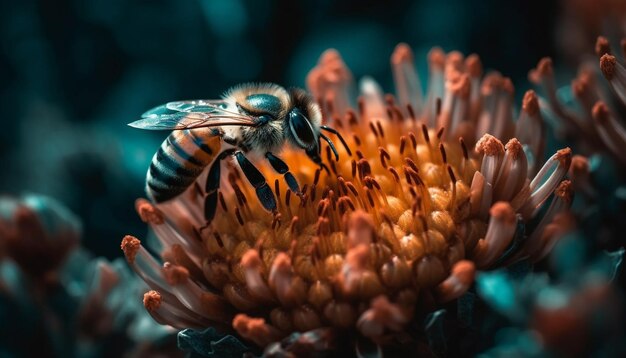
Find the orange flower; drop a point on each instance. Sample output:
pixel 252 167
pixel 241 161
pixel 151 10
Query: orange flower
pixel 386 234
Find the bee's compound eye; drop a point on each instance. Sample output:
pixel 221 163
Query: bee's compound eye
pixel 301 129
pixel 263 102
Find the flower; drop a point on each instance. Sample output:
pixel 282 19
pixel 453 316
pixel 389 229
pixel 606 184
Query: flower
pixel 55 294
pixel 587 114
pixel 385 235
pixel 38 233
pixel 575 310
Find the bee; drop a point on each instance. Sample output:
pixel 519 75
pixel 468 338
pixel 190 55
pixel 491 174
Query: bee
pixel 250 119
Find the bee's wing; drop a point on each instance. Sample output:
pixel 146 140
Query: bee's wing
pixel 191 114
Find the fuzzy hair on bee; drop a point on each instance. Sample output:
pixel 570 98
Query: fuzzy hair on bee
pixel 257 119
pixel 258 99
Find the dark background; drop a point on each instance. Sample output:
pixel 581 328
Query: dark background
pixel 74 73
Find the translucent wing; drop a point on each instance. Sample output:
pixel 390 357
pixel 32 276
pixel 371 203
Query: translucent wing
pixel 192 114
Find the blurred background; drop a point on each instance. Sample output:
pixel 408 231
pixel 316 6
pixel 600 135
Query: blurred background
pixel 74 73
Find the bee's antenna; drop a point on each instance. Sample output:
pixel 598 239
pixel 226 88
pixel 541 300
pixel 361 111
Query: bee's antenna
pixel 334 131
pixel 331 145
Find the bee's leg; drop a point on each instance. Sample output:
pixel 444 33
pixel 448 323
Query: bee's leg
pixel 254 176
pixel 212 186
pixel 313 154
pixel 282 168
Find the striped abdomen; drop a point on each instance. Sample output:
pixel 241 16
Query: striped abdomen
pixel 179 161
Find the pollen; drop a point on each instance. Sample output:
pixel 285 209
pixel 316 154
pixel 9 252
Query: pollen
pixel 489 145
pixel 565 191
pixel 130 246
pixel 607 66
pixel 602 46
pixel 600 112
pixel 152 300
pixel 530 103
pixel 147 212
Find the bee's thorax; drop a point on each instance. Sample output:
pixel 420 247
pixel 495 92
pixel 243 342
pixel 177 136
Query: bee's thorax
pixel 262 139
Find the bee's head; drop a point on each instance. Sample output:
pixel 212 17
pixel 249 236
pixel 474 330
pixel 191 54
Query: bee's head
pixel 302 123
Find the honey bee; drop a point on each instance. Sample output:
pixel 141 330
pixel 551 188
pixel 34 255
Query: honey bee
pixel 252 119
